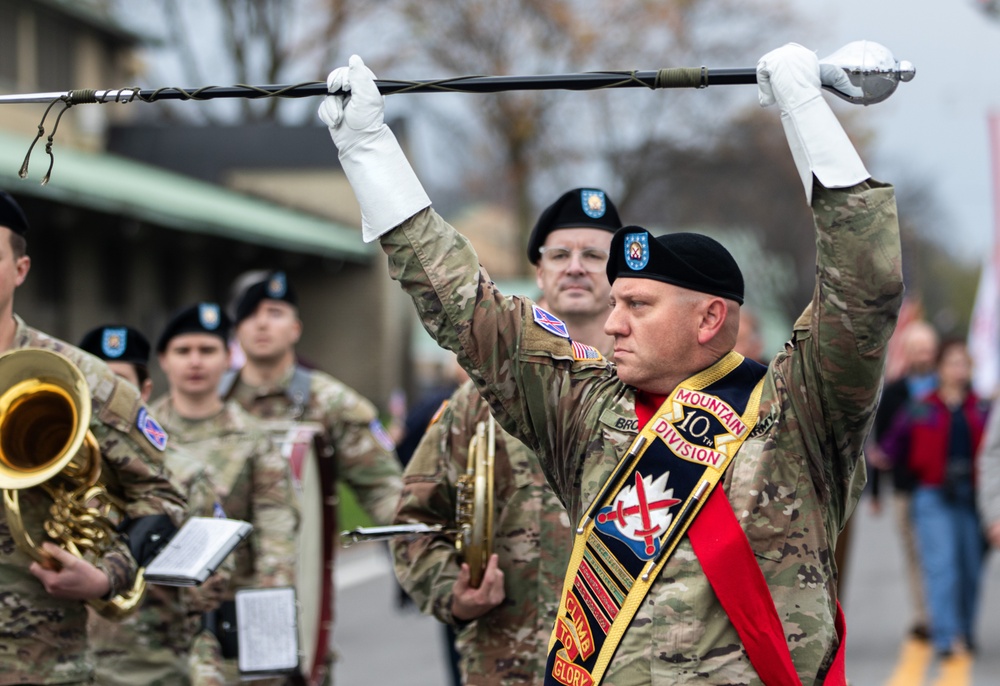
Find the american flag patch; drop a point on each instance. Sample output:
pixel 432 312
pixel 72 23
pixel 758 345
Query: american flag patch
pixel 582 351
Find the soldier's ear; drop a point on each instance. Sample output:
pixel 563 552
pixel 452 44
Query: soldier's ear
pixel 146 391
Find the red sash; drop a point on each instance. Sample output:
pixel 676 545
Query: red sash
pixel 724 553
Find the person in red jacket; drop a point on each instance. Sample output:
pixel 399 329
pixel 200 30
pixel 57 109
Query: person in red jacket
pixel 938 438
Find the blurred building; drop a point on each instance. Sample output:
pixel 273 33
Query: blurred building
pixel 128 237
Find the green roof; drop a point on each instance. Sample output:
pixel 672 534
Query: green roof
pixel 123 187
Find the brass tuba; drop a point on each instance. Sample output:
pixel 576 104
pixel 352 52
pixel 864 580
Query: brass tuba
pixel 45 441
pixel 473 510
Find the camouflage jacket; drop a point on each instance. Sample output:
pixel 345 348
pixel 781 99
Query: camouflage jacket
pixel 43 639
pixel 254 484
pixel 532 538
pixel 365 455
pixel 151 647
pixel 792 485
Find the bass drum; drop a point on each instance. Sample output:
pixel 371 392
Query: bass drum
pixel 314 479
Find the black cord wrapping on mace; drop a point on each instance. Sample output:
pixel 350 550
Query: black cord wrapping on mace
pixel 676 77
pixel 682 77
pixel 871 69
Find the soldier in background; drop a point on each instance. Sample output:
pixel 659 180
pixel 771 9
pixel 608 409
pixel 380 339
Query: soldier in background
pixel 252 478
pixel 503 625
pixel 745 591
pixel 272 385
pixel 43 620
pixel 153 645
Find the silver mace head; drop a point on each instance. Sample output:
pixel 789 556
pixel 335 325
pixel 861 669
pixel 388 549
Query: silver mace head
pixel 872 70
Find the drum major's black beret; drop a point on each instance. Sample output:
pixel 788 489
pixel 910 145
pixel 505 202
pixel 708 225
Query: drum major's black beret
pixel 588 208
pixel 688 260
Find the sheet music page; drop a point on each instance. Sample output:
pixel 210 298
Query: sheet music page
pixel 197 548
pixel 265 620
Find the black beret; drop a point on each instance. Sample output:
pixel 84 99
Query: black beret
pixel 688 260
pixel 200 318
pixel 117 343
pixel 588 208
pixel 11 214
pixel 274 286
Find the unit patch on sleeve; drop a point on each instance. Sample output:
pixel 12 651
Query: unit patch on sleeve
pixel 149 428
pixel 549 322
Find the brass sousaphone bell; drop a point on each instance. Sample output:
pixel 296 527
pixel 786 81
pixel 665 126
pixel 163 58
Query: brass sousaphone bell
pixel 473 510
pixel 474 513
pixel 45 442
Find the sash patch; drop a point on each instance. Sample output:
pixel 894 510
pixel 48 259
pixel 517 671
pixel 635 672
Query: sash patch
pixel 643 511
pixel 549 322
pixel 153 432
pixel 640 514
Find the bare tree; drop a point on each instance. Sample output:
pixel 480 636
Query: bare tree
pixel 524 144
pixel 221 42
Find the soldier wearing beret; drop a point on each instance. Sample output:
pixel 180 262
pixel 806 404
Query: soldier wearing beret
pixel 126 352
pixel 504 622
pixel 351 443
pixel 43 618
pixel 708 490
pixel 251 476
pixel 153 646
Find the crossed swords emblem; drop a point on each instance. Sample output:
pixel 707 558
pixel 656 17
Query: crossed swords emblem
pixel 643 508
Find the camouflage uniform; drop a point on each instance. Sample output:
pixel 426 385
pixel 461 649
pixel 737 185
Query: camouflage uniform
pixel 151 647
pixel 793 483
pixel 366 457
pixel 43 639
pixel 532 538
pixel 364 453
pixel 254 484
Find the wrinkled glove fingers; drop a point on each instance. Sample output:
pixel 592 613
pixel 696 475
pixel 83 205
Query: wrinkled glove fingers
pixel 364 92
pixel 331 110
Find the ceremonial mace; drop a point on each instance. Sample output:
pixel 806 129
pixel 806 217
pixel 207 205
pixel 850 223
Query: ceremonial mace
pixel 873 72
pixel 870 67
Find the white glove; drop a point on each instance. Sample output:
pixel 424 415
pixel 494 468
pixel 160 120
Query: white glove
pixel 383 181
pixel 791 76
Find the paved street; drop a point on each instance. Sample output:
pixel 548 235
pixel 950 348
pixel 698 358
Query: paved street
pixel 378 644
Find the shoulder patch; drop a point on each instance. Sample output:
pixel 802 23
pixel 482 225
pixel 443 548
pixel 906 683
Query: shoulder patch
pixel 381 435
pixel 438 413
pixel 149 428
pixel 549 322
pixel 581 351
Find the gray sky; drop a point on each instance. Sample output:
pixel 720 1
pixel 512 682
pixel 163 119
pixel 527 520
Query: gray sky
pixel 936 125
pixel 933 129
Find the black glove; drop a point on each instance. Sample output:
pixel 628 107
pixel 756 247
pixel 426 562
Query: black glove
pixel 147 535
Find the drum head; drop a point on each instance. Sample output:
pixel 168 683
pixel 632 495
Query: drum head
pixel 314 573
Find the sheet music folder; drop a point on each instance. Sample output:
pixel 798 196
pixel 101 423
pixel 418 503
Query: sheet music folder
pixel 196 551
pixel 267 632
